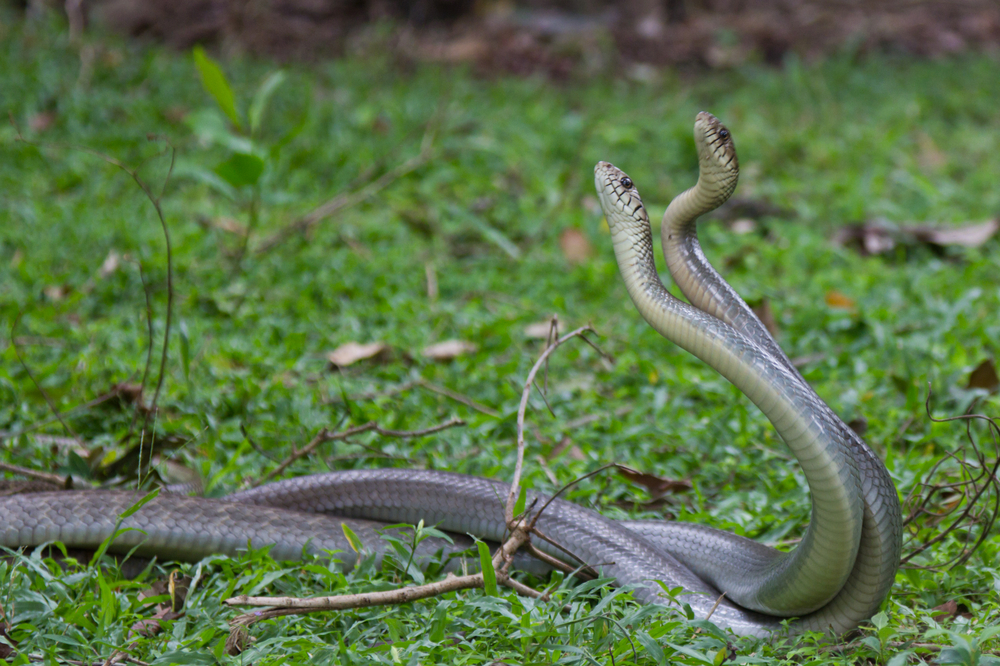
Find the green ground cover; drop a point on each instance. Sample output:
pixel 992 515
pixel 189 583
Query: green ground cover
pixel 507 184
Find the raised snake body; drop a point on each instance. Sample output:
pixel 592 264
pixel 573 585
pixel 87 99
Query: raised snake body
pixel 834 579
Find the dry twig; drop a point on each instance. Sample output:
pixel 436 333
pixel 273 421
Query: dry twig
pixel 961 504
pixel 325 435
pixel 306 223
pixel 520 531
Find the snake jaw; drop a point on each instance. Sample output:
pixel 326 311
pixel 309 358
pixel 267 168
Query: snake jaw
pixel 618 194
pixel 716 151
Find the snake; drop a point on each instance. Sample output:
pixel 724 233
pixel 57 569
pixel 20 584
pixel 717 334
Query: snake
pixel 834 579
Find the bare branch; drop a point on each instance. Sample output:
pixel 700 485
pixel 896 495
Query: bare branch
pixel 325 435
pixel 306 223
pixel 515 486
pixel 55 479
pixel 458 397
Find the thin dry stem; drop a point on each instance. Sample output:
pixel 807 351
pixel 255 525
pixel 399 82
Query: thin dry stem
pixel 515 486
pixel 55 479
pixel 325 435
pixel 342 201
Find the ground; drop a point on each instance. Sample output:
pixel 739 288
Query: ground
pixel 484 223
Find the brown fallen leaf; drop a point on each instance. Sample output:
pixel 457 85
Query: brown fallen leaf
pixel 566 443
pixel 984 376
pixel 835 299
pixel 575 246
pixel 42 121
pixel 742 226
pixel 175 588
pixel 970 235
pixel 237 640
pixel 230 225
pixel 951 609
pixel 873 237
pixel 880 236
pixel 6 649
pixel 352 352
pixel 658 486
pixel 175 114
pixel 540 330
pixel 151 626
pixel 110 265
pixel 56 292
pixel 448 349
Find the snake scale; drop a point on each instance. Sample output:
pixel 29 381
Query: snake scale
pixel 834 579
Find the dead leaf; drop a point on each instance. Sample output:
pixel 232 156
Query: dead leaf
pixel 175 588
pixel 110 265
pixel 658 486
pixel 352 352
pixel 762 309
pixel 151 625
pixel 880 236
pixel 449 349
pixel 540 330
pixel 575 246
pixel 835 299
pixel 42 121
pixel 175 114
pixel 566 443
pixel 56 292
pixel 951 609
pixel 984 377
pixel 742 226
pixel 970 235
pixel 237 640
pixel 929 155
pixel 6 649
pixel 230 225
pixel 874 237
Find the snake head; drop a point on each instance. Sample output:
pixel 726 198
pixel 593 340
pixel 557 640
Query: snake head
pixel 619 198
pixel 716 151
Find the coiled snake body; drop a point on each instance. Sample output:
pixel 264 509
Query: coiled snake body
pixel 834 579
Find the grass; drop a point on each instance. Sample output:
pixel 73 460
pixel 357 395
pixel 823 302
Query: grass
pixel 246 377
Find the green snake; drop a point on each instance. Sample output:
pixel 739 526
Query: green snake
pixel 835 578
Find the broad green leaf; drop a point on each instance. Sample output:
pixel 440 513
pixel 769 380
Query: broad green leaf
pixel 210 127
pixel 150 496
pixel 241 169
pixel 900 659
pixel 522 498
pixel 258 105
pixel 216 84
pixel 486 563
pixel 880 620
pixel 352 539
pixel 196 172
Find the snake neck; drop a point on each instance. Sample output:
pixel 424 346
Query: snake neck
pixel 881 537
pixel 812 574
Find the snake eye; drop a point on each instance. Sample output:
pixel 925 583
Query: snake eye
pixel 723 134
pixel 626 182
